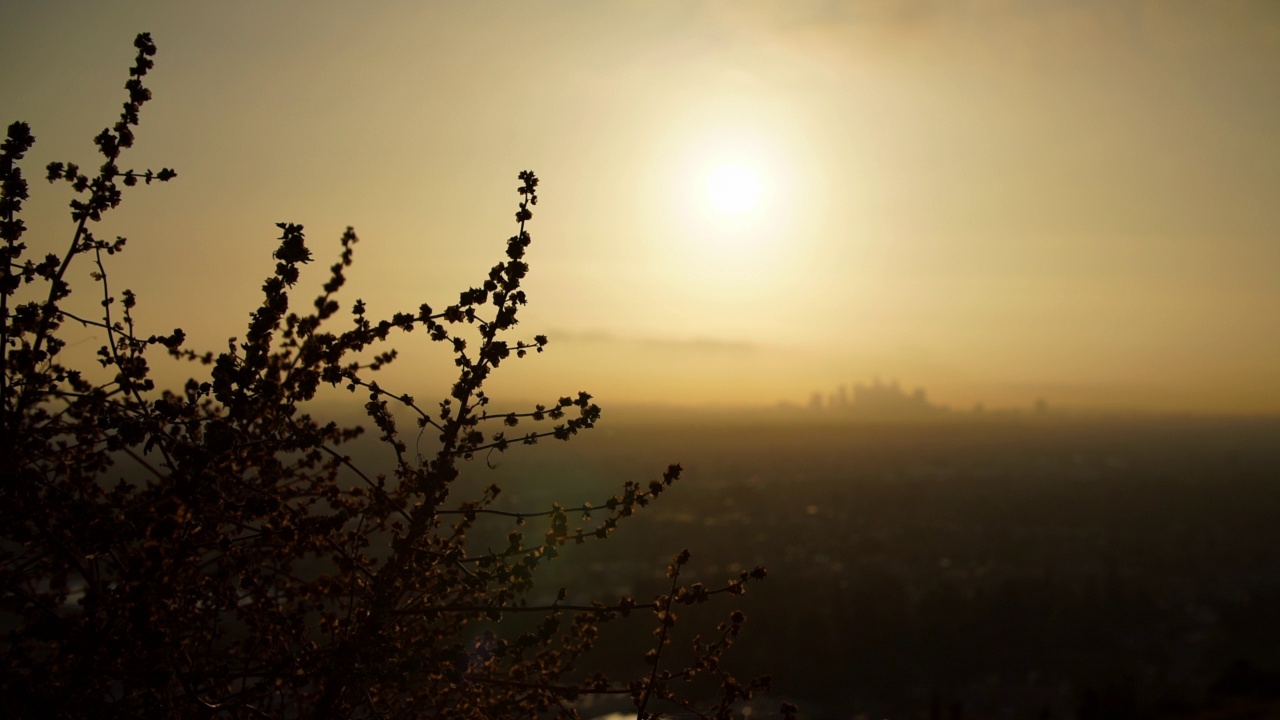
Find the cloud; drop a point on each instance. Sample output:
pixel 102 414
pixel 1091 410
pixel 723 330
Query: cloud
pixel 665 344
pixel 1001 26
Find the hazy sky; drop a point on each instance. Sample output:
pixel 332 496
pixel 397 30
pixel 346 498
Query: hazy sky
pixel 997 201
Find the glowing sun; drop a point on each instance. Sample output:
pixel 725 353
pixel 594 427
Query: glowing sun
pixel 735 197
pixel 733 189
pixel 732 194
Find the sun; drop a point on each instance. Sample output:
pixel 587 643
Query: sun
pixel 732 195
pixel 733 189
pixel 731 209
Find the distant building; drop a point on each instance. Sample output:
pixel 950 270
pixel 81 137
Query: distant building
pixel 889 401
pixel 878 400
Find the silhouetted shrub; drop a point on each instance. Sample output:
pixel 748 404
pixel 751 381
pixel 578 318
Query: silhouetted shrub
pixel 250 568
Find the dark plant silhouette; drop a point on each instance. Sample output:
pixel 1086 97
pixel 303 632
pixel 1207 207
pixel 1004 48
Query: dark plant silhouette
pixel 243 565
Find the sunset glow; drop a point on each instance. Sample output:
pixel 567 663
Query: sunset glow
pixel 957 195
pixel 440 359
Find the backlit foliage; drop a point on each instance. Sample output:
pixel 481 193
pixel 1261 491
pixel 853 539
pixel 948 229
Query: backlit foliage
pixel 213 552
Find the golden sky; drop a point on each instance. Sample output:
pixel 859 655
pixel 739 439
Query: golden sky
pixel 741 201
